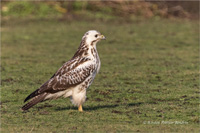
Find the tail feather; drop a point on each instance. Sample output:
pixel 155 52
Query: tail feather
pixel 34 101
pixel 38 91
pixel 31 96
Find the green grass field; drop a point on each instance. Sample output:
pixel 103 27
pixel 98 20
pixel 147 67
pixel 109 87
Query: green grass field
pixel 149 77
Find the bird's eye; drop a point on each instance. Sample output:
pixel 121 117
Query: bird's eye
pixel 96 35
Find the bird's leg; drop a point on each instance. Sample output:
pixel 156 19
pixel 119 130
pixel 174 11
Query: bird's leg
pixel 80 108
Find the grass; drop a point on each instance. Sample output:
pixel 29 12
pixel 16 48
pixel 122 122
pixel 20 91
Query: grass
pixel 148 78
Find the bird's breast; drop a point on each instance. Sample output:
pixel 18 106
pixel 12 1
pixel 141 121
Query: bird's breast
pixel 93 55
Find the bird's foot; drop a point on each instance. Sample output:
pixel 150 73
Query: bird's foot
pixel 80 108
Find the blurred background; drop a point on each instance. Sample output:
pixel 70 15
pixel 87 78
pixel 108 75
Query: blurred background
pixel 149 69
pixel 101 9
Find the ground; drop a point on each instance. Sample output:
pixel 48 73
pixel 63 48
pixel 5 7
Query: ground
pixel 148 79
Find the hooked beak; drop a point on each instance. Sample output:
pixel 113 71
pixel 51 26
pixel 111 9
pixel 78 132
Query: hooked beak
pixel 103 37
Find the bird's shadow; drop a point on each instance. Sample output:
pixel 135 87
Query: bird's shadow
pixel 92 108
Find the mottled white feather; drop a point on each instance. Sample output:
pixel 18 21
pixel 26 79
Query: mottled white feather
pixel 74 77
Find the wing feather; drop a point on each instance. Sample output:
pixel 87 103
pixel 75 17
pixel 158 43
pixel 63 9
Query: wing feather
pixel 70 74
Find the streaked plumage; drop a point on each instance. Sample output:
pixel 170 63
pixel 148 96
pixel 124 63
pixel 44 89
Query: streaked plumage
pixel 74 77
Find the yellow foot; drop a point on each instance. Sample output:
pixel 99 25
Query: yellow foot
pixel 80 108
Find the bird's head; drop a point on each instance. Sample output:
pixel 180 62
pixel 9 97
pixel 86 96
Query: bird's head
pixel 89 41
pixel 92 37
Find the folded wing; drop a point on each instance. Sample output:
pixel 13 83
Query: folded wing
pixel 69 75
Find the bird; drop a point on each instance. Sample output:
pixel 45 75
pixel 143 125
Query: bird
pixel 74 77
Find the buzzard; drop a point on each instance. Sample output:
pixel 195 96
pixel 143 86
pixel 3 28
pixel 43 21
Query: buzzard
pixel 74 77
